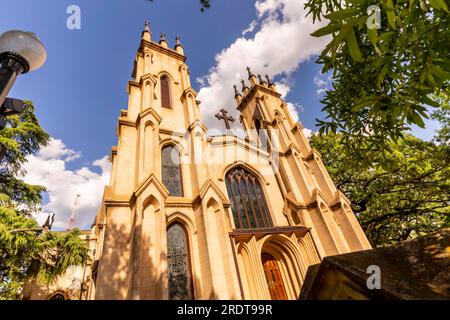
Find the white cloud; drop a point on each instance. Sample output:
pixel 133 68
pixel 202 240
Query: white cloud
pixel 294 110
pixel 57 149
pixel 307 132
pixel 322 82
pixel 48 168
pixel 280 43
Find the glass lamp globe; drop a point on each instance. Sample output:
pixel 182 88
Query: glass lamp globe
pixel 25 44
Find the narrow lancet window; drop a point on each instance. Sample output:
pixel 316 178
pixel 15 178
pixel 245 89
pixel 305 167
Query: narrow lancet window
pixel 171 171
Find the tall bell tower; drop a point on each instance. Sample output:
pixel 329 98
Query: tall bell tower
pixel 157 181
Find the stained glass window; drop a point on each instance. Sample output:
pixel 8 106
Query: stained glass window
pixel 180 281
pixel 165 92
pixel 248 204
pixel 171 171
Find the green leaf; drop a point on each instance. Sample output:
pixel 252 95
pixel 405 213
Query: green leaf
pixel 439 4
pixel 353 47
pixel 342 34
pixel 383 73
pixel 390 13
pixel 386 36
pixel 342 14
pixel 439 73
pixel 423 5
pixel 416 119
pixel 330 28
pixel 372 34
pixel 365 102
pixel 426 100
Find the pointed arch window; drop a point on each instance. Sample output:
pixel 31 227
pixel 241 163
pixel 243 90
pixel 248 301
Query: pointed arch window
pixel 179 277
pixel 171 171
pixel 248 203
pixel 165 92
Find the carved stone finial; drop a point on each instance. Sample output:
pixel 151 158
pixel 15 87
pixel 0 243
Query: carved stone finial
pixel 163 37
pixel 250 73
pixel 268 80
pixel 261 80
pixel 177 41
pixel 236 92
pixel 146 33
pixel 244 86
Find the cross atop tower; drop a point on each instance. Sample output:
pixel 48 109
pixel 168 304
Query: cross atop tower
pixel 146 33
pixel 222 115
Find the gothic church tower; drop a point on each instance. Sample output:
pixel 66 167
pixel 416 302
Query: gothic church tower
pixel 192 216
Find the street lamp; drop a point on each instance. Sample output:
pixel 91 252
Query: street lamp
pixel 20 52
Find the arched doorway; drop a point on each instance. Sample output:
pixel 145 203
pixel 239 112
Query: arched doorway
pixel 273 277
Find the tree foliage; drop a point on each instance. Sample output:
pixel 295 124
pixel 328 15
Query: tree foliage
pixel 27 251
pixel 23 136
pixel 395 195
pixel 383 77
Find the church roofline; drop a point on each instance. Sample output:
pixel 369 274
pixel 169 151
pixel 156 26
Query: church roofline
pixel 155 46
pixel 248 97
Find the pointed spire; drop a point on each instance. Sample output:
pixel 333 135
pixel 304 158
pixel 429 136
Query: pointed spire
pixel 177 41
pixel 244 86
pixel 270 83
pixel 245 89
pixel 147 34
pixel 236 92
pixel 163 40
pixel 251 76
pixel 261 80
pixel 178 45
pixel 250 73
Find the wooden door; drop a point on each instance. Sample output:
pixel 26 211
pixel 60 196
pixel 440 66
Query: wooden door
pixel 273 278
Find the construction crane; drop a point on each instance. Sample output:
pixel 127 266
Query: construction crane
pixel 74 214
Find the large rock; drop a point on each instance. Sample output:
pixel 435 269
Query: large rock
pixel 415 269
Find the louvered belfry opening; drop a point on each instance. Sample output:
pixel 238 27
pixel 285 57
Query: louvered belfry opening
pixel 165 92
pixel 248 203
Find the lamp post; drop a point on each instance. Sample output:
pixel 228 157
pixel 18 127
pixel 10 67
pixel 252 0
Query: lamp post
pixel 20 52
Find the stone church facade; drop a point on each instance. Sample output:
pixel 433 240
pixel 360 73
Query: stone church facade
pixel 192 216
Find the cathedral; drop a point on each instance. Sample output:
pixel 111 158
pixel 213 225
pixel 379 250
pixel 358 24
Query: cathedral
pixel 188 215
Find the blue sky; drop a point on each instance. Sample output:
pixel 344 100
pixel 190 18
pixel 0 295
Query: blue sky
pixel 80 90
